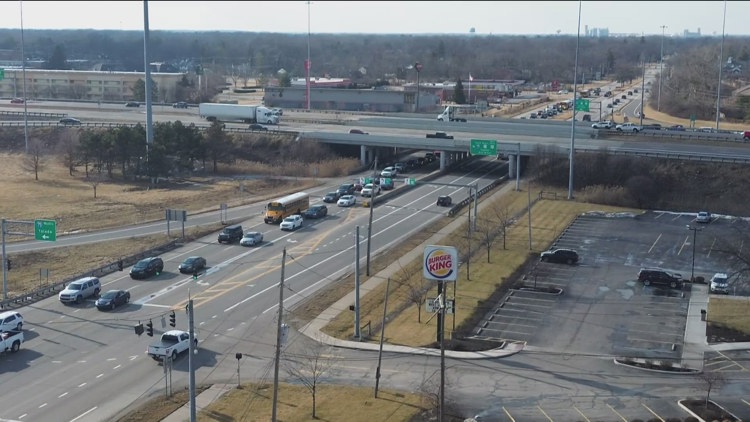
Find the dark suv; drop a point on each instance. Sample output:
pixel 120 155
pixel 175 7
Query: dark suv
pixel 650 276
pixel 147 267
pixel 231 234
pixel 563 256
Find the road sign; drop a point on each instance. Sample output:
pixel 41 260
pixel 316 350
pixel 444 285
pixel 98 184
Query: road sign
pixel 410 181
pixel 45 230
pixel 483 147
pixel 582 105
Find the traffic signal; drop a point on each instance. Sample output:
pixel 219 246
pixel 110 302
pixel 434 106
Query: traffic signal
pixel 138 329
pixel 150 329
pixel 119 265
pixel 8 264
pixel 172 319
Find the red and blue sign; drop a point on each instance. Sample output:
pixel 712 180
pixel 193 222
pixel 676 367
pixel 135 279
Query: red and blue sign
pixel 440 263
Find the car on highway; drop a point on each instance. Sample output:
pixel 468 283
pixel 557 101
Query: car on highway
pixel 192 264
pixel 628 127
pixel 347 201
pixel 649 276
pixel 180 104
pixel 560 256
pixel 78 290
pixel 357 132
pixel 251 238
pixel 293 222
pixel 315 212
pixel 444 201
pixel 606 124
pixel 132 104
pixel 111 299
pixel 17 101
pixel 69 121
pixel 370 189
pixel 703 217
pixel 147 267
pixel 256 126
pixel 331 197
pixel 11 320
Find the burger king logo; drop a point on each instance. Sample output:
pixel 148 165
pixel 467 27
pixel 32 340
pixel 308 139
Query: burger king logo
pixel 440 263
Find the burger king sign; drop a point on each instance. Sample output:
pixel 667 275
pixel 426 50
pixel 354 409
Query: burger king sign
pixel 440 263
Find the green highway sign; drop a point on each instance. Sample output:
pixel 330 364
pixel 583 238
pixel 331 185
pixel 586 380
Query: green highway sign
pixel 483 147
pixel 582 105
pixel 45 230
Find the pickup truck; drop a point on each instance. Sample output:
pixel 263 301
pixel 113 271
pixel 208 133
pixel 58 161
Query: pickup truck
pixel 11 340
pixel 171 344
pixel 441 135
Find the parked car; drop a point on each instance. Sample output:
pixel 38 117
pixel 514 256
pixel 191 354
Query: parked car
pixel 147 267
pixel 293 222
pixel 251 238
pixel 444 201
pixel 357 132
pixel 69 121
pixel 606 124
pixel 347 201
pixel 649 276
pixel 192 264
pixel 703 217
pixel 180 104
pixel 316 211
pixel 112 299
pixel 231 234
pixel 11 320
pixel 719 283
pixel 132 104
pixel 256 126
pixel 560 255
pixel 77 291
pixel 331 197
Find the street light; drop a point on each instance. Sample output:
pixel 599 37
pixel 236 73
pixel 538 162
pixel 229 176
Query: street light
pixel 661 69
pixel 418 67
pixel 695 230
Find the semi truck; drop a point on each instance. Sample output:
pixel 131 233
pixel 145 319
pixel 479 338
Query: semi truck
pixel 235 112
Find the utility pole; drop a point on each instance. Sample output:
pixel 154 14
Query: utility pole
pixel 372 205
pixel 191 361
pixel 277 359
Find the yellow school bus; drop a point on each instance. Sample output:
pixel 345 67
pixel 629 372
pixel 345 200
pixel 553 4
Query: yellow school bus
pixel 281 208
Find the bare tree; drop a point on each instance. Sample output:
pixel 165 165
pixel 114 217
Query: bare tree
pixel 33 160
pixel 711 380
pixel 416 290
pixel 310 367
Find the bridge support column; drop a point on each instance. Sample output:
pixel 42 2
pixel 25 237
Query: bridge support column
pixel 363 159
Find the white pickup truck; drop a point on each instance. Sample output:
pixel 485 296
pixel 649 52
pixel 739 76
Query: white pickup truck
pixel 171 344
pixel 11 341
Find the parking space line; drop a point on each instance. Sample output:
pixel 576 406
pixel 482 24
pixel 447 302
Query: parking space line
pixel 624 419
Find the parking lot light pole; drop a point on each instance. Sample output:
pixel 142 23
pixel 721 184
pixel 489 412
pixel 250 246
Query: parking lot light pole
pixel 695 230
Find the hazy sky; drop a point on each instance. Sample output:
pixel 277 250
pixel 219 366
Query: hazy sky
pixel 404 17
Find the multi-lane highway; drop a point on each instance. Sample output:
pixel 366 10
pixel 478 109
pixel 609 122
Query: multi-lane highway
pixel 82 364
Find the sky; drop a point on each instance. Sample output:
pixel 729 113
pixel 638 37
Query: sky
pixel 386 17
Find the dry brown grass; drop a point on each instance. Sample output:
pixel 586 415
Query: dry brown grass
pixel 254 402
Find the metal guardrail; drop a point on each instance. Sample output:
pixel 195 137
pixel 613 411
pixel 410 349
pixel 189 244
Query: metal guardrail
pixel 45 291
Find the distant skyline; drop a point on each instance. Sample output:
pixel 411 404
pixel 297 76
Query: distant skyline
pixel 373 17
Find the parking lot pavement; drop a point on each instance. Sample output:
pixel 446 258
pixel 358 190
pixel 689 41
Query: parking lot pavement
pixel 603 309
